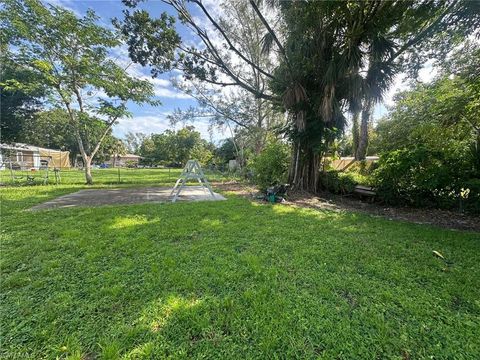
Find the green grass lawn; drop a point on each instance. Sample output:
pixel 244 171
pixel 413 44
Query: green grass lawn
pixel 125 176
pixel 233 280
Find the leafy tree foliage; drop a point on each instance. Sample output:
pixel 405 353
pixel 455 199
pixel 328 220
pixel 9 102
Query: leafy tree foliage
pixel 70 56
pixel 349 60
pixel 176 147
pixel 227 151
pixel 339 182
pixel 426 31
pixel 236 108
pixel 422 176
pixel 20 96
pixel 431 139
pixel 156 42
pixel 443 115
pixel 52 129
pixel 270 167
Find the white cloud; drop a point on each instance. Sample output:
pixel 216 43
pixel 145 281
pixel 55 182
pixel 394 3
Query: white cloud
pixel 163 88
pixel 147 124
pixel 66 4
pixel 170 93
pixel 399 84
pixel 157 81
pixel 428 72
pixel 158 123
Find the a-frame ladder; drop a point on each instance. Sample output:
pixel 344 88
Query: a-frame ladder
pixel 192 171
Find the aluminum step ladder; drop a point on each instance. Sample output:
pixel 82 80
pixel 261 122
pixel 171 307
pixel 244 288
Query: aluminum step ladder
pixel 192 171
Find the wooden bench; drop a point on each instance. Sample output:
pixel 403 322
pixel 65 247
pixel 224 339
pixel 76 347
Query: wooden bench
pixel 365 191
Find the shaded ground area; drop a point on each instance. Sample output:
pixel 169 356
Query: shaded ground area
pixel 441 218
pixel 98 197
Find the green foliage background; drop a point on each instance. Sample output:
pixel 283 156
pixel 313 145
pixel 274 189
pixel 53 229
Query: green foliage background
pixel 270 167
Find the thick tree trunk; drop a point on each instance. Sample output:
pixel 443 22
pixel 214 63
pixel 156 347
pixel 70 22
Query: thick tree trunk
pixel 304 171
pixel 363 141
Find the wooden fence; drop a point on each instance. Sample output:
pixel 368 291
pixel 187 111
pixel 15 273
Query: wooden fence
pixel 344 163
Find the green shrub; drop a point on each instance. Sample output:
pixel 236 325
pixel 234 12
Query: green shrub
pixel 359 178
pixel 362 168
pixel 270 167
pixel 470 196
pixel 425 177
pixel 338 182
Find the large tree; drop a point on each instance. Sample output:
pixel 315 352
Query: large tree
pixel 402 37
pixel 133 141
pixel 176 147
pixel 334 57
pixel 70 56
pixel 234 107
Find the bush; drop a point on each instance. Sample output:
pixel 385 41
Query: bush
pixel 270 167
pixel 363 168
pixel 424 177
pixel 339 182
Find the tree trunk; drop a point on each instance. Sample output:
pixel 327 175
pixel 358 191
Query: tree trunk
pixel 88 171
pixel 363 141
pixel 259 140
pixel 355 133
pixel 304 171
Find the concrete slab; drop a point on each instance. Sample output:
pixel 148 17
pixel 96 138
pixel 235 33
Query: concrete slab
pixel 99 197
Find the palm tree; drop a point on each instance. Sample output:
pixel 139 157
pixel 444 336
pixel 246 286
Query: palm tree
pixel 334 57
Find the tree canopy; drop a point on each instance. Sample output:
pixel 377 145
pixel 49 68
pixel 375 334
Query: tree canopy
pixel 332 58
pixel 21 96
pixel 176 147
pixel 443 115
pixel 70 56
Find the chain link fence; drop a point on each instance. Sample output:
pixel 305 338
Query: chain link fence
pixel 16 176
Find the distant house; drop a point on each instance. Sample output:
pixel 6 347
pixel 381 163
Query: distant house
pixel 20 156
pixel 125 160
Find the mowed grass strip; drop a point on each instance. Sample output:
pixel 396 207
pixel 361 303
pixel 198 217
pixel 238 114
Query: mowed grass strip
pixel 107 177
pixel 232 280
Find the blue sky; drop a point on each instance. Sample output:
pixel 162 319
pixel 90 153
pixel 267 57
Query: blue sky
pixel 149 119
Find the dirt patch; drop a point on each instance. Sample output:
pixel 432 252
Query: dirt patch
pixel 441 218
pixel 99 197
pixel 237 188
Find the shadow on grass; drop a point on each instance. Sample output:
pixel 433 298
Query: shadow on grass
pixel 235 279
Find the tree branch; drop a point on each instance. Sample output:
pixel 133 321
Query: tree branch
pixel 230 44
pixel 218 60
pixel 105 133
pixel 268 27
pixel 423 33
